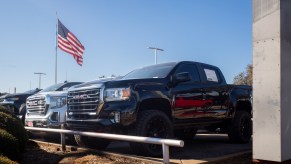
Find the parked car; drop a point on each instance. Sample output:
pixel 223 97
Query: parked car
pixel 47 108
pixel 15 103
pixel 2 94
pixel 165 101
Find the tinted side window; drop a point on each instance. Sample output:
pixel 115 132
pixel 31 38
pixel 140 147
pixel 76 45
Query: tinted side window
pixel 191 68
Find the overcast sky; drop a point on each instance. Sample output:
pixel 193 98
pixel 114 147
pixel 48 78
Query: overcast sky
pixel 116 34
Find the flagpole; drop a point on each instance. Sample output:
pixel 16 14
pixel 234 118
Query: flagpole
pixel 56 64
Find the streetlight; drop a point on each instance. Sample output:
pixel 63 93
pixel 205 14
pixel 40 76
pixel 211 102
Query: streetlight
pixel 39 75
pixel 156 49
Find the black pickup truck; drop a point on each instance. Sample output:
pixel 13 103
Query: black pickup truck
pixel 16 102
pixel 164 100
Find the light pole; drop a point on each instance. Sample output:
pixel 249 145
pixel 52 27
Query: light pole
pixel 39 75
pixel 156 49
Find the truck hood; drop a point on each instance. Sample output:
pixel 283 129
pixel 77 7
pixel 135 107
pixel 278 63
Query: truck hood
pixel 115 83
pixel 49 94
pixel 15 95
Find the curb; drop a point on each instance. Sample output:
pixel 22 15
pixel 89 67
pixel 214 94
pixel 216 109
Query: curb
pixel 225 157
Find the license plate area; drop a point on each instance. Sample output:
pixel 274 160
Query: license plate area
pixel 30 123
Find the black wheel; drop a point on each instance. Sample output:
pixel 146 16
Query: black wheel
pixel 70 139
pixel 186 134
pixel 211 129
pixel 151 123
pixel 51 137
pixel 91 142
pixel 240 129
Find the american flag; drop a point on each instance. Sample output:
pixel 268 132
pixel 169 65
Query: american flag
pixel 69 43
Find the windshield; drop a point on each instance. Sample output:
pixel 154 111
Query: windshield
pixel 155 71
pixel 52 88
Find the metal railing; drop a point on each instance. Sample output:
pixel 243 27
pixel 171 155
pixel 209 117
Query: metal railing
pixel 159 141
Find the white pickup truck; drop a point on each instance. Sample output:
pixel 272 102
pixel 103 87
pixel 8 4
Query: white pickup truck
pixel 47 108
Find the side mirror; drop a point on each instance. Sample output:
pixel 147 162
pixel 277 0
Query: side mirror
pixel 182 77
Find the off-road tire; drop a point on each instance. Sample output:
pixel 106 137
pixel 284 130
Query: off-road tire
pixel 22 111
pixel 51 137
pixel 240 128
pixel 186 134
pixel 151 123
pixel 91 142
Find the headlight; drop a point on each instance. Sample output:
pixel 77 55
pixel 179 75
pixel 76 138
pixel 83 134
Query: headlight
pixel 12 98
pixel 116 94
pixel 57 102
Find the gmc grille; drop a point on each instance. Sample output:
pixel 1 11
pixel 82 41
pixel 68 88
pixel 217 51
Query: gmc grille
pixel 36 105
pixel 83 101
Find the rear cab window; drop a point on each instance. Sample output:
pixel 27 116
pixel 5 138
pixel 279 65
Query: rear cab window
pixel 210 74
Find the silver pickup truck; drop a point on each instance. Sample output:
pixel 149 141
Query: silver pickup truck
pixel 47 108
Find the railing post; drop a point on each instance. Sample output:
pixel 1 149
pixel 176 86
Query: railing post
pixel 63 138
pixel 166 156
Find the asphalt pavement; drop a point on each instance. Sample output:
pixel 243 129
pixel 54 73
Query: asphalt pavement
pixel 204 147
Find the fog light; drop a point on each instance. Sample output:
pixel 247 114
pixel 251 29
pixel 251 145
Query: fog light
pixel 55 117
pixel 114 117
pixel 117 117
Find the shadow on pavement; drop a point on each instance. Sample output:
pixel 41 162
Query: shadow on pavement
pixel 203 146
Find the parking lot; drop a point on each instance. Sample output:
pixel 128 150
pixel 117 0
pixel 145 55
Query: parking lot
pixel 204 147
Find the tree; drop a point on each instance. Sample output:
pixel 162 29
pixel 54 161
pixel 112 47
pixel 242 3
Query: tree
pixel 245 77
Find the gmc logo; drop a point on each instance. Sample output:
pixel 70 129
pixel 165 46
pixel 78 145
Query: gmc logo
pixel 80 97
pixel 32 103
